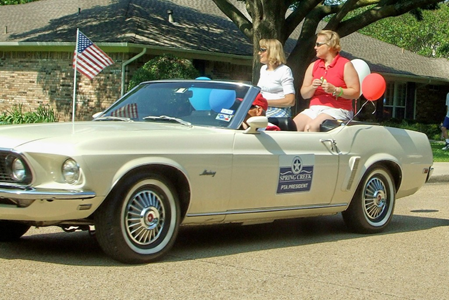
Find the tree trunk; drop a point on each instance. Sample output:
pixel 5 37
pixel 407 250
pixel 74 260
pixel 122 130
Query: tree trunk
pixel 268 20
pixel 298 60
pixel 302 55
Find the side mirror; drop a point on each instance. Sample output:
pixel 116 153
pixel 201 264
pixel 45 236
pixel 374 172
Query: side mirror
pixel 255 123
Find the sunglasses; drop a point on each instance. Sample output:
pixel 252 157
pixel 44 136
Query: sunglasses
pixel 319 44
pixel 262 50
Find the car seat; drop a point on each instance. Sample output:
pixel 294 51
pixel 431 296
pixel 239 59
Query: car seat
pixel 284 123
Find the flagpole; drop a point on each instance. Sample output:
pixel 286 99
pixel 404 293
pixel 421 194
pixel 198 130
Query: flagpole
pixel 74 77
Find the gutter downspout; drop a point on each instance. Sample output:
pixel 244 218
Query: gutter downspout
pixel 122 90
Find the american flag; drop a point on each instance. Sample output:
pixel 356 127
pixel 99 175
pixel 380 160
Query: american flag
pixel 127 111
pixel 88 58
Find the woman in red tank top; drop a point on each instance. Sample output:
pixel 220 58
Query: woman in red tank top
pixel 331 82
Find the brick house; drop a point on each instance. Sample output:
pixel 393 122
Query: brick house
pixel 37 41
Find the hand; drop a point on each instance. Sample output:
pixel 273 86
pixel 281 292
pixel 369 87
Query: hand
pixel 316 83
pixel 328 87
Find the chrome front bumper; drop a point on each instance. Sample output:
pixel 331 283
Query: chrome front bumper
pixel 44 194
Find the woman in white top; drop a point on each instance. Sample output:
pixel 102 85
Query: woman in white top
pixel 276 79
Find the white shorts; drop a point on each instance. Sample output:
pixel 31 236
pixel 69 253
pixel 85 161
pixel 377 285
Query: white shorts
pixel 336 113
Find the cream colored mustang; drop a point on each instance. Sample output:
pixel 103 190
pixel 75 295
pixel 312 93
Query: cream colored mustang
pixel 171 153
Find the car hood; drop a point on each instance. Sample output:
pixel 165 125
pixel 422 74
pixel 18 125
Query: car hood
pixel 47 136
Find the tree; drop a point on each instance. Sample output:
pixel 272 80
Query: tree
pixel 428 36
pixel 276 19
pixel 164 67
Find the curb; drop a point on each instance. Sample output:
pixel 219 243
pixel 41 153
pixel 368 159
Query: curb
pixel 440 172
pixel 438 178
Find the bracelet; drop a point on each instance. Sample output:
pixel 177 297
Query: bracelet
pixel 341 92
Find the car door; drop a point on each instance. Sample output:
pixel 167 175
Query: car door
pixel 276 170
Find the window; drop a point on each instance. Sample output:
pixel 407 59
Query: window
pixel 394 100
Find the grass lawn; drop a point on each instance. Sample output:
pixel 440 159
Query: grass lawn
pixel 438 154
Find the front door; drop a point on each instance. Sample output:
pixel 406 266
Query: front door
pixel 282 170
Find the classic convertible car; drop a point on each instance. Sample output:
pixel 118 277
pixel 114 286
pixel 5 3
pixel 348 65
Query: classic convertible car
pixel 172 153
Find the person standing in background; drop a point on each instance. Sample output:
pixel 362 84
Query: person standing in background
pixel 446 125
pixel 276 79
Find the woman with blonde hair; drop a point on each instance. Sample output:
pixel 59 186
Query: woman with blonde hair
pixel 331 82
pixel 276 79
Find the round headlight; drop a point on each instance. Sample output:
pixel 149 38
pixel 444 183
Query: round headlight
pixel 71 171
pixel 18 170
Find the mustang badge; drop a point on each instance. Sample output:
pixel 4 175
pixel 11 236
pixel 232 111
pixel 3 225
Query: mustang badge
pixel 208 173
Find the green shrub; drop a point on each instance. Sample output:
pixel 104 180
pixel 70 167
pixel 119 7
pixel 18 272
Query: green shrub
pixel 439 155
pixel 16 115
pixel 166 66
pixel 432 131
pixel 13 2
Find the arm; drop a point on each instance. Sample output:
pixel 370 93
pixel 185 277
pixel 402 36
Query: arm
pixel 287 101
pixel 352 90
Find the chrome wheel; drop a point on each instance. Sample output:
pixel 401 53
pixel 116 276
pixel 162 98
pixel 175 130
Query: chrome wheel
pixel 139 221
pixel 145 217
pixel 375 198
pixel 148 223
pixel 372 205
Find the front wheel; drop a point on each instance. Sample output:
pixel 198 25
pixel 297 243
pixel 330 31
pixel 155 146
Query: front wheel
pixel 372 206
pixel 139 222
pixel 11 231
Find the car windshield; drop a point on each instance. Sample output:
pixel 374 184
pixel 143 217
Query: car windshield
pixel 186 102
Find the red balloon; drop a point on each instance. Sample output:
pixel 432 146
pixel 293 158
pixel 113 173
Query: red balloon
pixel 373 86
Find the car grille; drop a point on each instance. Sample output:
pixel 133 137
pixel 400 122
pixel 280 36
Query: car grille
pixel 4 176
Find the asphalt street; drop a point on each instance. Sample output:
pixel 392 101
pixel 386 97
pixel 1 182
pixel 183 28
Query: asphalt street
pixel 312 258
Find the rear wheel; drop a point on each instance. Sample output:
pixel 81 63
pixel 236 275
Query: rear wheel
pixel 372 206
pixel 11 231
pixel 139 222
